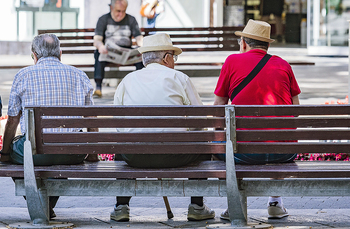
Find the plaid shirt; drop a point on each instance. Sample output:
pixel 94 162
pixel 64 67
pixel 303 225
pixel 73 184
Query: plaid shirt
pixel 49 82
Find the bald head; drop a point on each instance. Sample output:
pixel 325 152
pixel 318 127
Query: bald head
pixel 46 45
pixel 124 2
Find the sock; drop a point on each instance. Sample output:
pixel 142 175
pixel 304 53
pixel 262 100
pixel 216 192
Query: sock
pixel 122 200
pixel 197 200
pixel 98 84
pixel 275 199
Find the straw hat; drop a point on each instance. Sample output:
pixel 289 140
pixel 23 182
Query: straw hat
pixel 158 42
pixel 258 30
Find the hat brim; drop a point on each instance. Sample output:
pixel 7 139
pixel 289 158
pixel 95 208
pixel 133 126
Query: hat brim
pixel 252 36
pixel 177 51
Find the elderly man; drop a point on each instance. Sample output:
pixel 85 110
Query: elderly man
pixel 119 28
pixel 48 82
pixel 274 84
pixel 158 84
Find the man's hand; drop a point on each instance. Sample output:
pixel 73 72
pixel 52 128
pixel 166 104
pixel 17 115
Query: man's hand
pixel 102 49
pixel 98 43
pixel 10 131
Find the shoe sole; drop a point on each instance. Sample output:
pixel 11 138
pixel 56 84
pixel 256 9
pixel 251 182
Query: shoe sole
pixel 121 218
pixel 276 213
pixel 224 217
pixel 277 216
pixel 199 217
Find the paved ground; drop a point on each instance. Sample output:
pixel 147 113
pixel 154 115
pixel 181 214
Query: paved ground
pixel 326 81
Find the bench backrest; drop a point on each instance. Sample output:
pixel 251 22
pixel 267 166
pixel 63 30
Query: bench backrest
pixel 109 141
pixel 292 129
pixel 80 41
pixel 258 129
pixel 200 38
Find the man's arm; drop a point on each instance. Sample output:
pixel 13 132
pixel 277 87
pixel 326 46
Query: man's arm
pixel 9 134
pixel 139 40
pixel 220 100
pixel 98 43
pixel 295 100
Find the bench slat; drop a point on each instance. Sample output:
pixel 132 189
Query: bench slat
pixel 76 44
pixel 214 169
pixel 133 122
pixel 223 28
pixel 300 169
pixel 134 148
pixel 284 110
pixel 64 38
pixel 285 135
pixel 293 147
pixel 130 110
pixel 41 31
pixel 293 122
pixel 78 51
pixel 134 137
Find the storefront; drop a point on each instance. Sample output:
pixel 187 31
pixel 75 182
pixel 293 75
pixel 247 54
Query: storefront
pixel 290 13
pixel 328 27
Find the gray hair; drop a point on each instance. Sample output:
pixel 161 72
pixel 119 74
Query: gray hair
pixel 46 45
pixel 114 1
pixel 152 57
pixel 255 44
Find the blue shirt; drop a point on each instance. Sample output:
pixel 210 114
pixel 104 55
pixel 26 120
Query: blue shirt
pixel 49 82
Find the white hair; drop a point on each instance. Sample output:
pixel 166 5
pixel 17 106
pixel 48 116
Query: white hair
pixel 152 57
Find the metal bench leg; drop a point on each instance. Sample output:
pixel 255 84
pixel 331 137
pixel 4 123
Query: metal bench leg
pixel 36 196
pixel 236 198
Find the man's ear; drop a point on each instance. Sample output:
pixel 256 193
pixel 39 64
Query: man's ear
pixel 165 60
pixel 60 55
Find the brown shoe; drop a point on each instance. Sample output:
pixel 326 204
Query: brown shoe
pixel 98 93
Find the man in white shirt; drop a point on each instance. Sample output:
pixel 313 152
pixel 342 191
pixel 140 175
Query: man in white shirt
pixel 158 84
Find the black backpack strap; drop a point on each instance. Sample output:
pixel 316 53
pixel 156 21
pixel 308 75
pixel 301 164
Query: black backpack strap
pixel 251 75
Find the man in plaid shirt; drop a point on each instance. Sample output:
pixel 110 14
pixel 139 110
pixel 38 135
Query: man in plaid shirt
pixel 47 82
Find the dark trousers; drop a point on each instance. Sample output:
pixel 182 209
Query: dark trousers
pixel 17 156
pixel 161 161
pixel 99 72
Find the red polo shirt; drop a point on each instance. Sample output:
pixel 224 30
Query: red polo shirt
pixel 275 84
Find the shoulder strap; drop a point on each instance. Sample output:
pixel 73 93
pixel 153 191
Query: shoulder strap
pixel 251 75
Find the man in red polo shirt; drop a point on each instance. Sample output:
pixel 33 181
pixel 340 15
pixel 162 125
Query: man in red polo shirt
pixel 274 84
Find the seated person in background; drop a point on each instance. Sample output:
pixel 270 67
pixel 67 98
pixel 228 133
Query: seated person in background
pixel 118 27
pixel 275 84
pixel 158 84
pixel 47 82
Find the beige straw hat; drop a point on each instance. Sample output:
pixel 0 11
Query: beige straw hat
pixel 158 42
pixel 258 30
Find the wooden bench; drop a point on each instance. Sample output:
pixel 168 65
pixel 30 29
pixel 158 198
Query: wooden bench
pixel 244 131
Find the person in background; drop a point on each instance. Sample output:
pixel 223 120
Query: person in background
pixel 275 7
pixel 158 84
pixel 151 10
pixel 116 26
pixel 275 84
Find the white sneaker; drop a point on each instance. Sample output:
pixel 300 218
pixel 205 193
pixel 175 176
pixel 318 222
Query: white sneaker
pixel 196 212
pixel 225 215
pixel 276 210
pixel 120 213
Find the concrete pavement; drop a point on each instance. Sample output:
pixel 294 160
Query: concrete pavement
pixel 326 81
